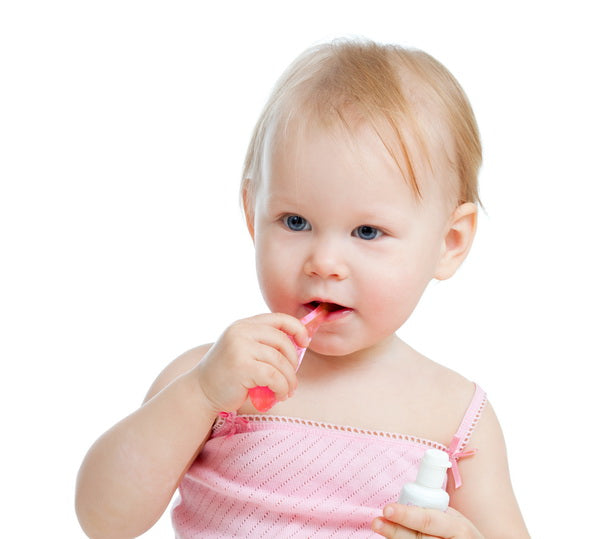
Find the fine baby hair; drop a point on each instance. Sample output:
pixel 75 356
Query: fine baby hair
pixel 411 100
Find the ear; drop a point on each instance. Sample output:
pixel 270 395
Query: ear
pixel 458 240
pixel 248 202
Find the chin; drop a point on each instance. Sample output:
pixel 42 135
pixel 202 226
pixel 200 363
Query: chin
pixel 333 347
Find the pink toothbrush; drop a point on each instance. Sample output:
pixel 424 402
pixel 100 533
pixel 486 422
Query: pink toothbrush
pixel 262 397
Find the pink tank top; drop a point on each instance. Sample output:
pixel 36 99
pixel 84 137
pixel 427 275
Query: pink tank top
pixel 271 476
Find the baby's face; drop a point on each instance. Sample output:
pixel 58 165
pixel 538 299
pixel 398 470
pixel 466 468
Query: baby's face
pixel 335 221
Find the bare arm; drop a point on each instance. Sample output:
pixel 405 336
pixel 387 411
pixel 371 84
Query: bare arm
pixel 487 496
pixel 131 472
pixel 485 506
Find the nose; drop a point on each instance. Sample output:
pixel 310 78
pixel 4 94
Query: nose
pixel 326 260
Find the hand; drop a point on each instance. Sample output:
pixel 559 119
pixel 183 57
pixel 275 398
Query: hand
pixel 255 351
pixel 403 521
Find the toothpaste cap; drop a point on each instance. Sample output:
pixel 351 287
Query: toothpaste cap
pixel 432 470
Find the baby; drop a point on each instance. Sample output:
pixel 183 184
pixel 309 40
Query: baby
pixel 359 188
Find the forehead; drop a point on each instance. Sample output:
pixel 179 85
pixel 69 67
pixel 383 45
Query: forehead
pixel 360 149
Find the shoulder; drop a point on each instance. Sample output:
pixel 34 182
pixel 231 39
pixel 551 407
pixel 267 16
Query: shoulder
pixel 446 397
pixel 425 399
pixel 487 496
pixel 180 365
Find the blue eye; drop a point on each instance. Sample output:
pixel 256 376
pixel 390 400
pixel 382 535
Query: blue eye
pixel 296 223
pixel 366 232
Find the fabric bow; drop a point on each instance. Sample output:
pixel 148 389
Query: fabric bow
pixel 233 423
pixel 455 455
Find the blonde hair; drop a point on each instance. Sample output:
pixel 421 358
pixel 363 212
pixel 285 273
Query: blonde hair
pixel 389 86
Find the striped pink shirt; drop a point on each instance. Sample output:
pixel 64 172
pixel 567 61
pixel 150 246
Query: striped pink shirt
pixel 271 476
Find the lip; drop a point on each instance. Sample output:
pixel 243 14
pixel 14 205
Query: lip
pixel 337 315
pixel 332 316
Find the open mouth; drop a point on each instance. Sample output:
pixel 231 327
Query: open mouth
pixel 331 307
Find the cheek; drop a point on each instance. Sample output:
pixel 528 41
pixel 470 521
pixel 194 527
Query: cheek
pixel 395 295
pixel 274 276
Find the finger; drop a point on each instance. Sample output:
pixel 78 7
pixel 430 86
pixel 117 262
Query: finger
pixel 427 521
pixel 280 341
pixel 288 324
pixel 390 530
pixel 266 376
pixel 272 368
pixel 271 346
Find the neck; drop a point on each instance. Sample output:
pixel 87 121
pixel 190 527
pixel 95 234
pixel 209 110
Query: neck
pixel 388 349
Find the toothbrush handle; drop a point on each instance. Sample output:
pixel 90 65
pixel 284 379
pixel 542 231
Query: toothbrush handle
pixel 262 398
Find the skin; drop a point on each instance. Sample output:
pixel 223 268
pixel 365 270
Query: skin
pixel 319 190
pixel 332 221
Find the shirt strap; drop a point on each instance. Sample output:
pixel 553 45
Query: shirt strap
pixel 456 449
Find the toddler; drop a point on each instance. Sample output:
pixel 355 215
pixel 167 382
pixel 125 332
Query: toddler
pixel 359 188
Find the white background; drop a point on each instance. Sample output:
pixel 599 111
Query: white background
pixel 123 126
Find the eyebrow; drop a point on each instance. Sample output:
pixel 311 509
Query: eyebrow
pixel 282 199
